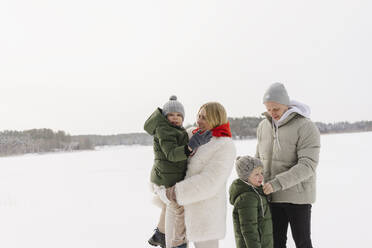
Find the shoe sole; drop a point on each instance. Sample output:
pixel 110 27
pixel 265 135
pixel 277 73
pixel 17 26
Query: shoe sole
pixel 156 244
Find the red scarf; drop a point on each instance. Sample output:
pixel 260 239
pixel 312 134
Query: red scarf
pixel 220 131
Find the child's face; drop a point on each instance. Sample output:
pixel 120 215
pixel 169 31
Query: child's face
pixel 256 177
pixel 175 118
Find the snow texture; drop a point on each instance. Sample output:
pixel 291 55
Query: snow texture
pixel 100 199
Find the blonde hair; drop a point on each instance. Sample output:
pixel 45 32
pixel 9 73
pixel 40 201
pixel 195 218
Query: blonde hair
pixel 215 114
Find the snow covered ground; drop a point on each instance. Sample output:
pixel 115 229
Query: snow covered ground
pixel 101 198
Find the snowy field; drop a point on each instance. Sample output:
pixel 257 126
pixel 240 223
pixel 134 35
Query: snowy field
pixel 101 199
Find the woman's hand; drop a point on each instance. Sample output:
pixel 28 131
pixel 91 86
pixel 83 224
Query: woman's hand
pixel 199 139
pixel 268 189
pixel 171 194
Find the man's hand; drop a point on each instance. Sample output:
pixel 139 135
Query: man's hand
pixel 268 189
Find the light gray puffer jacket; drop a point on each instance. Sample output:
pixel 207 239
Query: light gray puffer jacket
pixel 290 155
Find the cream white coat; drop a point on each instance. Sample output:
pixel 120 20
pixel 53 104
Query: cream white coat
pixel 203 192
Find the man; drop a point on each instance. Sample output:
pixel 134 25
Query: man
pixel 288 146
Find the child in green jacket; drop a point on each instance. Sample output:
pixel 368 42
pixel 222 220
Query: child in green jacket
pixel 251 214
pixel 172 147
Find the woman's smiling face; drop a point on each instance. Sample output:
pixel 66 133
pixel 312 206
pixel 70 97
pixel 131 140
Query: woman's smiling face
pixel 202 120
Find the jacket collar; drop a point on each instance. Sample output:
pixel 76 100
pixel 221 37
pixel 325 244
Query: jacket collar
pixel 295 107
pixel 282 123
pixel 219 131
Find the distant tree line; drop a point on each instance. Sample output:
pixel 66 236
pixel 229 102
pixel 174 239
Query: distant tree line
pixel 118 139
pixel 246 127
pixel 40 141
pixel 345 127
pixel 46 140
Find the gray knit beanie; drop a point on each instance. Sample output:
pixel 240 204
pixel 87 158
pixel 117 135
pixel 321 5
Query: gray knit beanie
pixel 276 93
pixel 244 166
pixel 173 106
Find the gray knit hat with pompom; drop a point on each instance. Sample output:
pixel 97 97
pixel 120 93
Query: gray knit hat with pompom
pixel 244 166
pixel 173 106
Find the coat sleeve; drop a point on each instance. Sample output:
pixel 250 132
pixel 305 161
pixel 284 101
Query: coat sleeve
pixel 308 148
pixel 169 145
pixel 258 134
pixel 257 155
pixel 209 181
pixel 247 209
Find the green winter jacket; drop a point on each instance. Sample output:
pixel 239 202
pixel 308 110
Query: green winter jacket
pixel 290 155
pixel 251 216
pixel 170 161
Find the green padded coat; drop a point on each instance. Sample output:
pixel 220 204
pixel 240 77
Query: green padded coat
pixel 251 216
pixel 170 160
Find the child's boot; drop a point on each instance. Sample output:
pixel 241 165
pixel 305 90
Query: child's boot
pixel 181 246
pixel 158 239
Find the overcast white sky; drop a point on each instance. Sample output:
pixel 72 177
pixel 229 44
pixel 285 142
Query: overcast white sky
pixel 102 67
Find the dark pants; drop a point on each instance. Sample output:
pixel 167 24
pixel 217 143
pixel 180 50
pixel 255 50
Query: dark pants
pixel 298 216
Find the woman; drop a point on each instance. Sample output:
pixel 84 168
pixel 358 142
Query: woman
pixel 203 191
